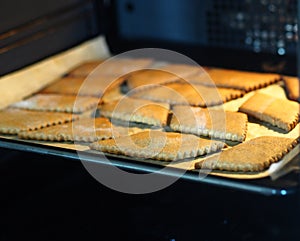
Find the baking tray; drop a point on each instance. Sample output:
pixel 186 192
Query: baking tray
pixel 286 185
pixel 275 181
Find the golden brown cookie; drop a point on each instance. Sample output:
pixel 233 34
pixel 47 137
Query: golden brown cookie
pixel 187 94
pixel 58 103
pixel 84 69
pixel 251 156
pixel 136 110
pixel 111 94
pixel 92 86
pixel 12 121
pixel 158 145
pixel 139 80
pixel 85 130
pixel 112 67
pixel 277 112
pixel 292 87
pixel 66 85
pixel 243 80
pixel 182 70
pixel 220 124
pixel 82 130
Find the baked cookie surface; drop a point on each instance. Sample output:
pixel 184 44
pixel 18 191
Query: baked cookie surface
pixel 96 87
pixel 282 113
pixel 251 156
pixel 57 103
pixel 182 70
pixel 112 67
pixel 150 78
pixel 292 87
pixel 188 94
pixel 220 124
pixel 83 130
pixel 136 110
pixel 158 145
pixel 13 121
pixel 243 80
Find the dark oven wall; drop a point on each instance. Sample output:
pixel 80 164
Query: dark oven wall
pixel 253 34
pixel 32 30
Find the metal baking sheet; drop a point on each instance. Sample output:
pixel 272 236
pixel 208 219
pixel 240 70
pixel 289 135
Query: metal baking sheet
pixel 284 186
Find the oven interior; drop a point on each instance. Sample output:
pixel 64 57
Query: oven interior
pixel 48 195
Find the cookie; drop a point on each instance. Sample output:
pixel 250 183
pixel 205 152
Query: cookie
pixel 84 69
pixel 13 121
pixel 292 88
pixel 96 87
pixel 277 112
pixel 143 79
pixel 57 103
pixel 251 156
pixel 112 94
pixel 182 70
pixel 85 130
pixel 243 80
pixel 82 130
pixel 136 110
pixel 220 124
pixel 158 145
pixel 66 86
pixel 111 67
pixel 187 94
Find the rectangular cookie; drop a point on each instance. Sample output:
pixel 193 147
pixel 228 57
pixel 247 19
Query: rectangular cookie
pixel 282 113
pixel 136 110
pixel 149 78
pixel 251 156
pixel 112 67
pixel 66 86
pixel 158 145
pixel 235 79
pixel 57 103
pixel 96 87
pixel 292 87
pixel 82 130
pixel 220 124
pixel 182 70
pixel 84 69
pixel 188 94
pixel 13 121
